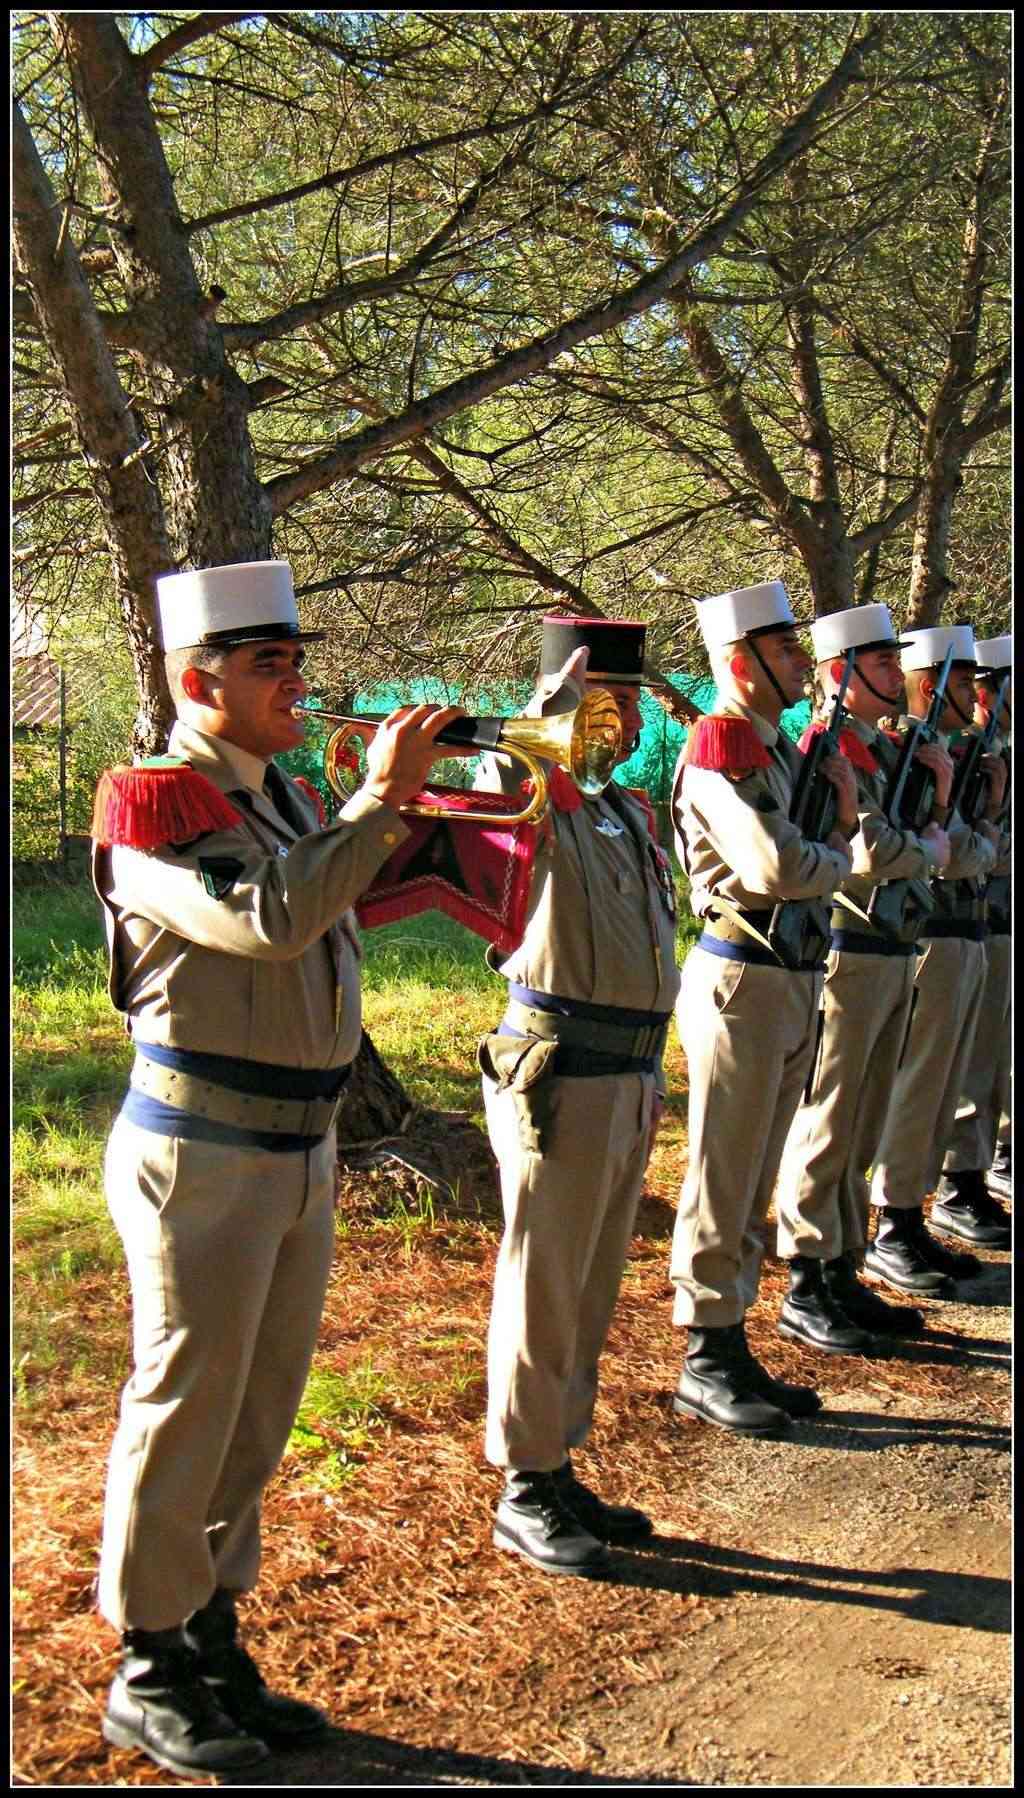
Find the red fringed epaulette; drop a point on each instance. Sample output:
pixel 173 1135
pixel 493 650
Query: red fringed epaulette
pixel 725 745
pixel 643 798
pixel 852 746
pixel 311 793
pixel 163 800
pixel 856 751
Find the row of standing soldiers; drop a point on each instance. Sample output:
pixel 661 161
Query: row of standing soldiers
pixel 853 896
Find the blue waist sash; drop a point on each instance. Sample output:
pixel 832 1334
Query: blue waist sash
pixel 584 1008
pixel 259 1078
pixel 762 958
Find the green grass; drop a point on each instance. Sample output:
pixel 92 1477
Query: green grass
pixel 428 997
pixel 337 1420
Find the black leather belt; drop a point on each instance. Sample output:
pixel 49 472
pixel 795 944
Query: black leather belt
pixel 608 1030
pixel 863 942
pixel 961 928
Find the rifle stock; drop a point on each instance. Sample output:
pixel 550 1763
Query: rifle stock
pixel 911 791
pixel 813 807
pixel 970 782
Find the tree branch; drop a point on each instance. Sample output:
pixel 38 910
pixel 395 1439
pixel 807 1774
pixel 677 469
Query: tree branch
pixel 470 389
pixel 343 297
pixel 204 24
pixel 547 108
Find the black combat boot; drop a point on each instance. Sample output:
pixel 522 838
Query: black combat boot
pixel 951 1262
pixel 609 1523
pixel 811 1315
pixel 231 1676
pixel 160 1705
pixel 964 1207
pixel 796 1401
pixel 716 1384
pixel 864 1307
pixel 999 1178
pixel 534 1520
pixel 900 1258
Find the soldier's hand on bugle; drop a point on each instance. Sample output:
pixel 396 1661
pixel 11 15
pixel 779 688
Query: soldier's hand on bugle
pixel 403 750
pixel 942 765
pixel 938 844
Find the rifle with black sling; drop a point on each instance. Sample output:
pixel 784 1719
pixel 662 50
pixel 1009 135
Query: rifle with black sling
pixel 898 907
pixel 910 793
pixel 971 782
pixel 798 931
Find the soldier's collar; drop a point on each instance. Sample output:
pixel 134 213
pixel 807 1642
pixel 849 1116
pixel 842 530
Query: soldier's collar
pixel 224 763
pixel 866 732
pixel 734 708
pixel 909 718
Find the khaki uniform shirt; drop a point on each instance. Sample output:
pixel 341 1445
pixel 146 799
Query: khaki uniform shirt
pixel 242 942
pixel 600 922
pixel 881 851
pixel 599 925
pixel 972 855
pixel 735 838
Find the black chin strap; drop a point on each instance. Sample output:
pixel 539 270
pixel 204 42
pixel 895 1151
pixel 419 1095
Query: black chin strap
pixel 965 719
pixel 862 677
pixel 784 702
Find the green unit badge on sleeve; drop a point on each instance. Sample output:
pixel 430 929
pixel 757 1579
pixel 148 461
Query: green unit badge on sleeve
pixel 219 874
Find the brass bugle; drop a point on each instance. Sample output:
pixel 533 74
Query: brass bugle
pixel 586 742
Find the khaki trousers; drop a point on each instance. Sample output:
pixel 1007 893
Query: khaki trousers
pixel 569 1216
pixel 950 980
pixel 985 1097
pixel 822 1196
pixel 228 1252
pixel 749 1033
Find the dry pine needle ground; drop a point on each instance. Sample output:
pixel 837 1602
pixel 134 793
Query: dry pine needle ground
pixel 382 1599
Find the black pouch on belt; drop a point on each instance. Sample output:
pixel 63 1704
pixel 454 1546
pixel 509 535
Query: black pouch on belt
pixel 799 932
pixel 523 1066
pixel 900 907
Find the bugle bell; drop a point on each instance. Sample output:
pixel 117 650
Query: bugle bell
pixel 586 742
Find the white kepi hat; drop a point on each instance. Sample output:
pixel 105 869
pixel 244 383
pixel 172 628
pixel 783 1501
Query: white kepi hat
pixel 927 648
pixel 859 627
pixel 994 654
pixel 241 602
pixel 726 617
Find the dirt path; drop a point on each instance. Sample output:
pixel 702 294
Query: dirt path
pixel 853 1629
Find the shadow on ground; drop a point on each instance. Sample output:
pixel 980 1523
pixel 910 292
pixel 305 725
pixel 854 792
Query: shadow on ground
pixel 923 1594
pixel 990 1287
pixel 871 1431
pixel 351 1758
pixel 943 1348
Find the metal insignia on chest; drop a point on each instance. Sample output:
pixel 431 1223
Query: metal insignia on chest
pixel 608 828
